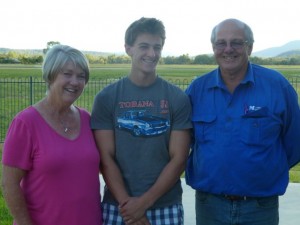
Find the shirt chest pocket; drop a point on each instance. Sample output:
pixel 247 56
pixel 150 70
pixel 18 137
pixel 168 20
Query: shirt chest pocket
pixel 204 127
pixel 260 130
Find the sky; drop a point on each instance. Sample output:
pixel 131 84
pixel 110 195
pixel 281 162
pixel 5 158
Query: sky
pixel 100 25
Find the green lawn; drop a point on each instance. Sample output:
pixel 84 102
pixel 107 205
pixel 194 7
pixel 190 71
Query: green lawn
pixel 119 70
pixel 182 73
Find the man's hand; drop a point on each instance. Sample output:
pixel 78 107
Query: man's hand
pixel 143 221
pixel 133 212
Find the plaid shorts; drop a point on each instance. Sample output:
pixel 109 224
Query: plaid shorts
pixel 171 215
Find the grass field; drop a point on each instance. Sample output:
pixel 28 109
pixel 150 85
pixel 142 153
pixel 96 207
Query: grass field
pixel 180 73
pixel 118 70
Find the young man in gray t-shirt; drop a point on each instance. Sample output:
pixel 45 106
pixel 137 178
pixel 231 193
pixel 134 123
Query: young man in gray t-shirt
pixel 142 128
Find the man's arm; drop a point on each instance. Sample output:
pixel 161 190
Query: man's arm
pixel 291 135
pixel 13 195
pixel 111 173
pixel 109 169
pixel 178 150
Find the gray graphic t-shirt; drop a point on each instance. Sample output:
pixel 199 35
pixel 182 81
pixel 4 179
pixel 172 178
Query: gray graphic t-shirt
pixel 142 119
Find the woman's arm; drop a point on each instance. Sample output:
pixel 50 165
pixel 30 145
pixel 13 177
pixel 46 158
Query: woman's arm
pixel 13 195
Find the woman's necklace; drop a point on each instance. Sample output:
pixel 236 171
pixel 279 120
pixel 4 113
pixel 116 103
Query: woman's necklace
pixel 66 128
pixel 51 114
pixel 66 122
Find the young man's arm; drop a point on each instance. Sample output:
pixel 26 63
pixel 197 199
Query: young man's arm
pixel 111 172
pixel 109 169
pixel 178 150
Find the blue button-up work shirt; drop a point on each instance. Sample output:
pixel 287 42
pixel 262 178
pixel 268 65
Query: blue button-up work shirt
pixel 244 142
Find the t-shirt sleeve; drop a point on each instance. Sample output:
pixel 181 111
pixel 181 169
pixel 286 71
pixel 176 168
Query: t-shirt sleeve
pixel 102 113
pixel 182 112
pixel 18 147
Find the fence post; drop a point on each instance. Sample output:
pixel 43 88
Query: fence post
pixel 31 92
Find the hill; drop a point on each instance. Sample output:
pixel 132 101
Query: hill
pixel 293 53
pixel 22 51
pixel 293 46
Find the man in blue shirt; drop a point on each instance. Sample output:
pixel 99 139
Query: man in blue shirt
pixel 246 135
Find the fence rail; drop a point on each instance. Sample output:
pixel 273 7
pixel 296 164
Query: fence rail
pixel 17 94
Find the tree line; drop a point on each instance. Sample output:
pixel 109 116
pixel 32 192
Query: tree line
pixel 23 58
pixel 12 57
pixel 204 59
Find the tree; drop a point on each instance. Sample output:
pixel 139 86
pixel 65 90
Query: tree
pixel 50 44
pixel 184 59
pixel 204 60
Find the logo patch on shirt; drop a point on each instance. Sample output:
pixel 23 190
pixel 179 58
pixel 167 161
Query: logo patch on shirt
pixel 255 111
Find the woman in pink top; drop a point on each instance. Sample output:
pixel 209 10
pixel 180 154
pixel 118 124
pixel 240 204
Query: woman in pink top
pixel 50 159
